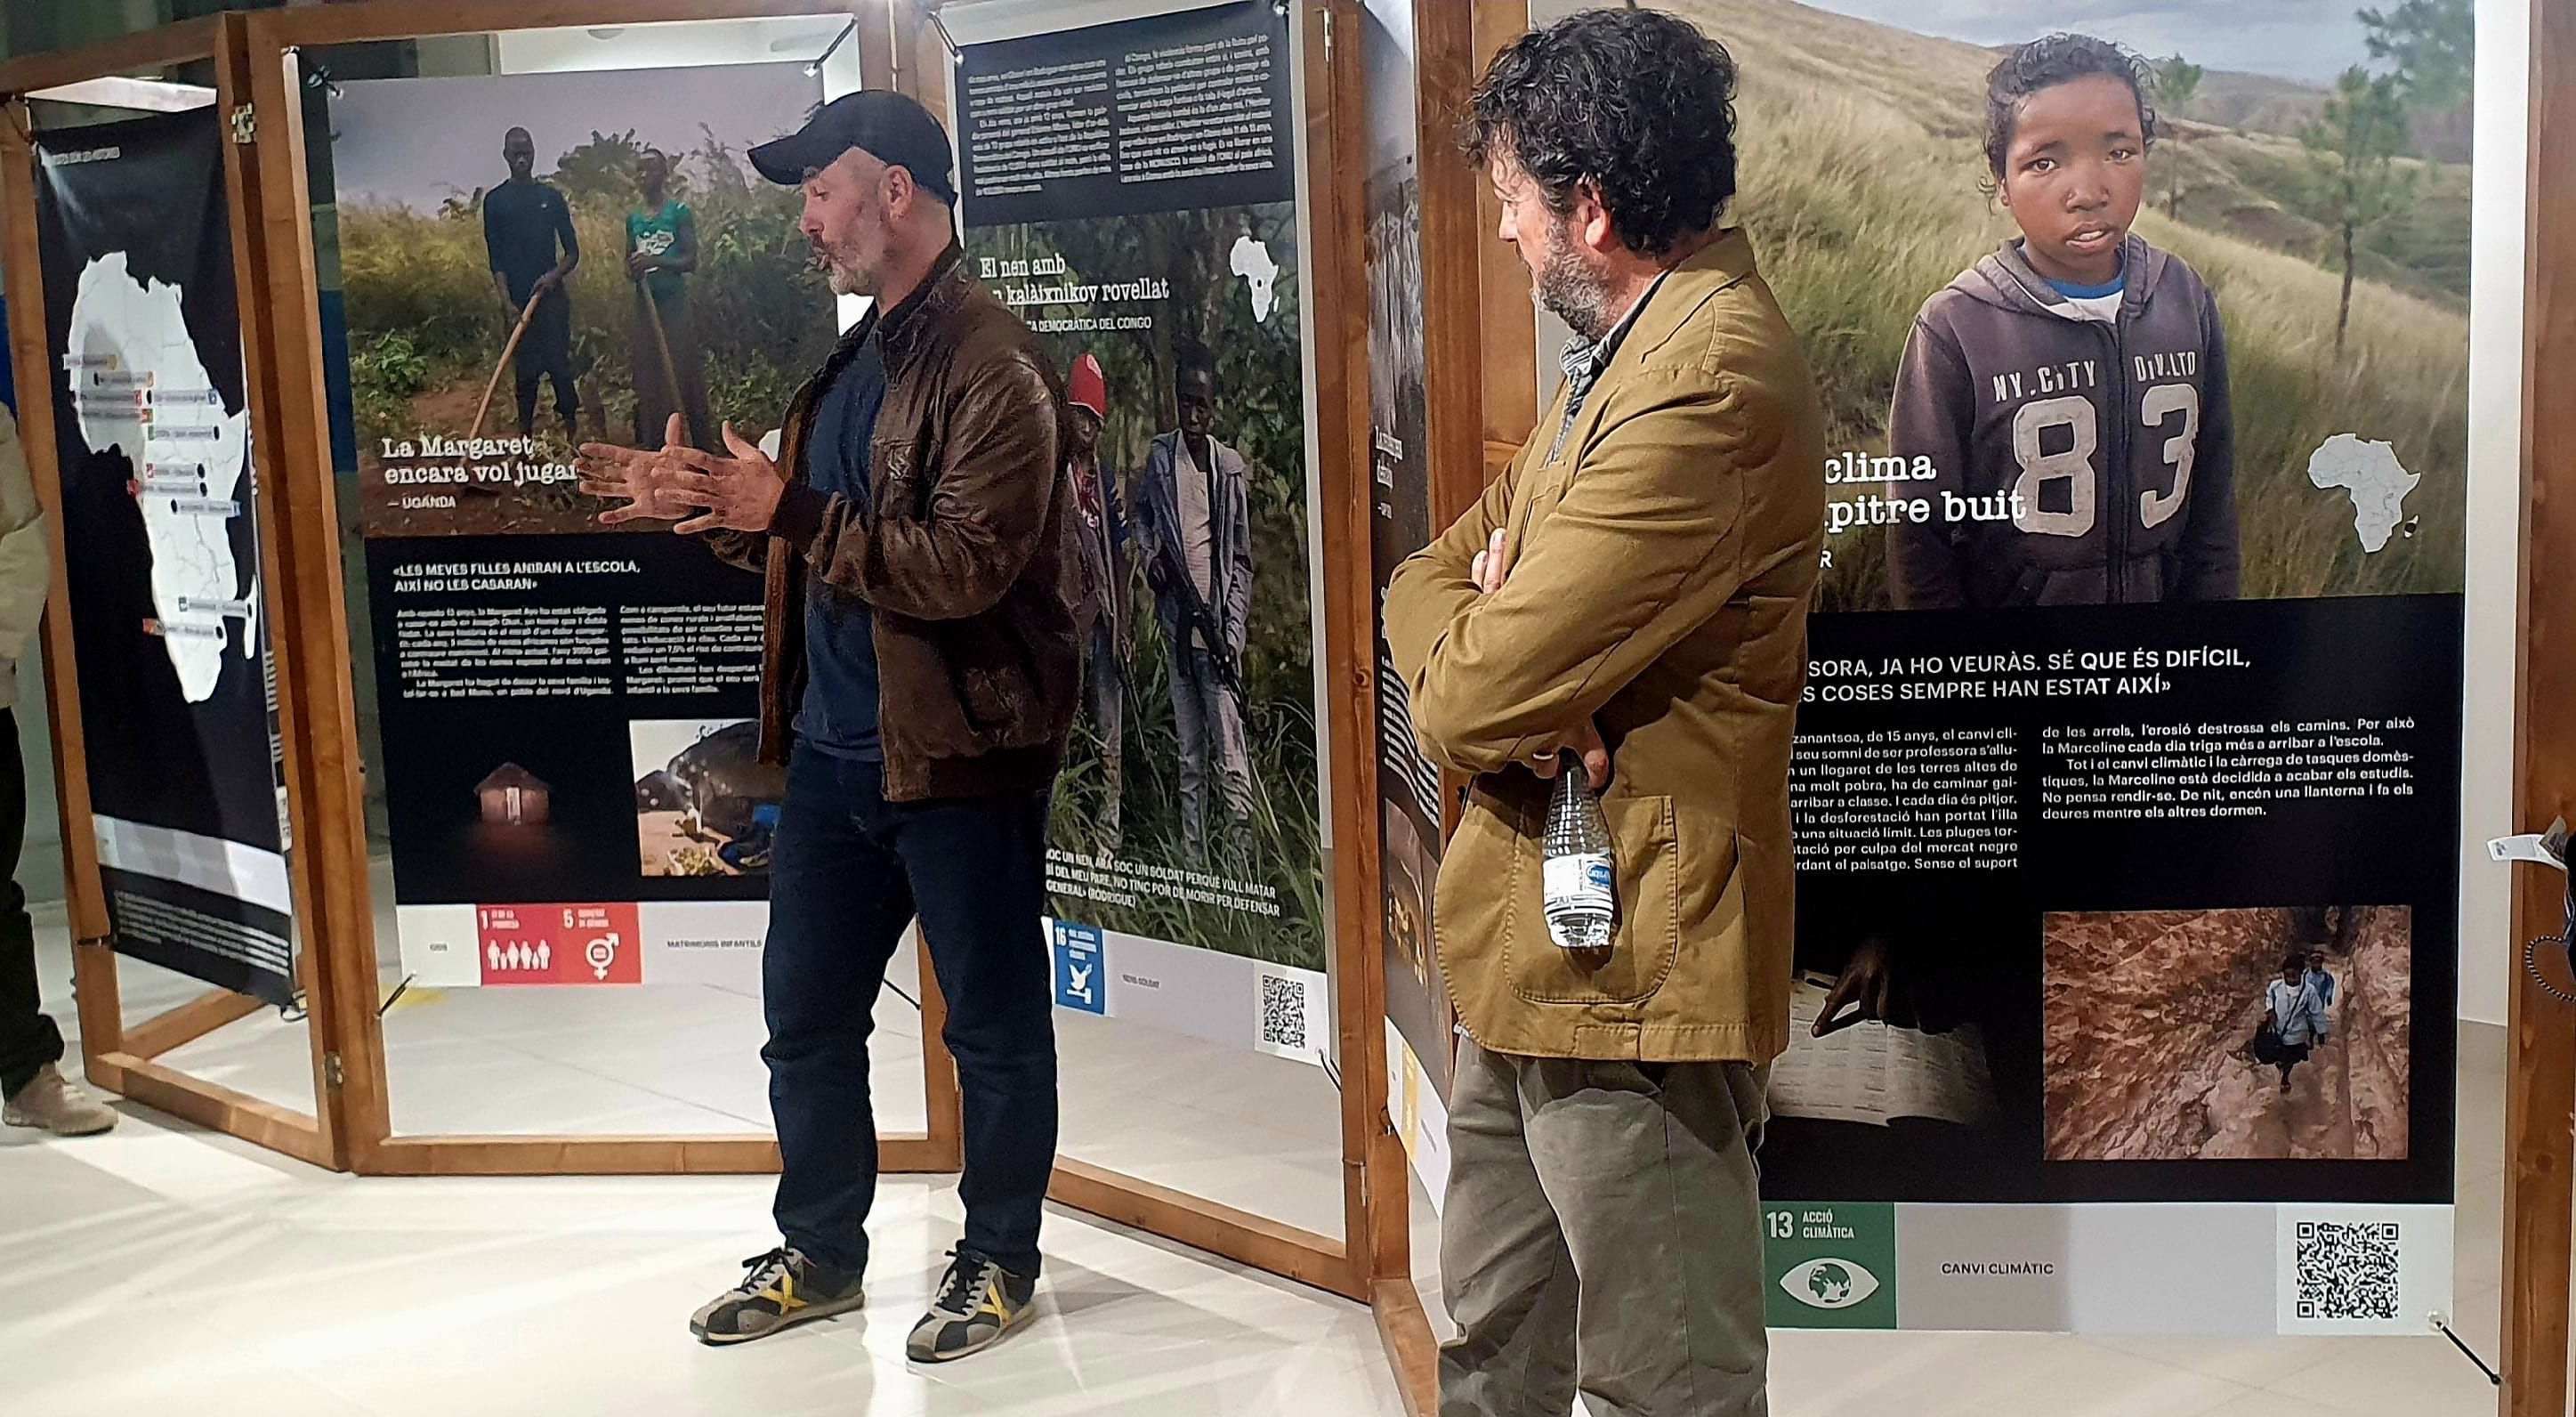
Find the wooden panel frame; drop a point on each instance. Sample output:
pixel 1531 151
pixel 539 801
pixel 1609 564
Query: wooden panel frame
pixel 1479 347
pixel 1511 328
pixel 2540 1073
pixel 118 1058
pixel 258 67
pixel 278 186
pixel 1372 1208
pixel 897 47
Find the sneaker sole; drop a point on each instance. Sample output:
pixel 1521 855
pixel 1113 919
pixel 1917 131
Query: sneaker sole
pixel 34 1125
pixel 805 1315
pixel 1018 1322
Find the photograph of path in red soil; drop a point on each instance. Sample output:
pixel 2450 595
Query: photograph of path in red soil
pixel 2151 1024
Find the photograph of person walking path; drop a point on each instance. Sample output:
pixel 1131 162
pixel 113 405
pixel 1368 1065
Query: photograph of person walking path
pixel 2278 1034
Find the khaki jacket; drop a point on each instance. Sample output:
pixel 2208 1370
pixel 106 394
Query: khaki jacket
pixel 26 558
pixel 965 553
pixel 1659 576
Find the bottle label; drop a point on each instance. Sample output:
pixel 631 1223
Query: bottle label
pixel 1578 882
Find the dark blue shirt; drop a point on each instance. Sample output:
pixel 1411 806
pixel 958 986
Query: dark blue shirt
pixel 839 715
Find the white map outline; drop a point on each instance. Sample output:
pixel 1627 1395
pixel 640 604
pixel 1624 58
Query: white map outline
pixel 2368 471
pixel 137 383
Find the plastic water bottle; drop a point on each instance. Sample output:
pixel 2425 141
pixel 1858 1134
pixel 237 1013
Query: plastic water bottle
pixel 1579 902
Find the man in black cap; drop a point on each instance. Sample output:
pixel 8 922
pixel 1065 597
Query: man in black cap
pixel 927 610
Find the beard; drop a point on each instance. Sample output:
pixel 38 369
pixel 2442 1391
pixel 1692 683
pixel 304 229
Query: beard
pixel 1570 291
pixel 843 271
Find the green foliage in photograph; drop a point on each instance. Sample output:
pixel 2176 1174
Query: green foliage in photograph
pixel 426 325
pixel 1261 413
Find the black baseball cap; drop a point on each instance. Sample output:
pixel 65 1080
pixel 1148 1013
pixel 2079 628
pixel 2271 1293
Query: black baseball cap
pixel 886 125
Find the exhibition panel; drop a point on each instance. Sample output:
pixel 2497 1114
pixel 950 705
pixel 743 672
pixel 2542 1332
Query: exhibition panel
pixel 567 939
pixel 1133 181
pixel 427 813
pixel 2136 670
pixel 169 633
pixel 1131 190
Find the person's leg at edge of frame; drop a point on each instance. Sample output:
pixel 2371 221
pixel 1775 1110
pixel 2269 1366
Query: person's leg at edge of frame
pixel 1506 1274
pixel 31 1046
pixel 978 871
pixel 1653 1170
pixel 838 910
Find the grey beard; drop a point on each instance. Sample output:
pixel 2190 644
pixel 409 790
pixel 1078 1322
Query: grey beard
pixel 1575 295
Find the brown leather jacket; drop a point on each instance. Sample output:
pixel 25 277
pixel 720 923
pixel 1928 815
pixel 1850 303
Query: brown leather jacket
pixel 965 551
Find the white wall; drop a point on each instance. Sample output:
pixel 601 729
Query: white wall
pixel 675 45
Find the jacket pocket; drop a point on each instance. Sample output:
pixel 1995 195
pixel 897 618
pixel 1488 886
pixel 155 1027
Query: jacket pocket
pixel 894 471
pixel 1646 936
pixel 994 679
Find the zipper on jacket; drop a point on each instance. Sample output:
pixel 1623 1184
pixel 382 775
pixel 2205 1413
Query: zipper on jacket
pixel 2116 472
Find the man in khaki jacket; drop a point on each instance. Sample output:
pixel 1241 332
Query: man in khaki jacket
pixel 1634 592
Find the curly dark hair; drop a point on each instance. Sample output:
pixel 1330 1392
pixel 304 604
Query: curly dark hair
pixel 1637 103
pixel 2045 63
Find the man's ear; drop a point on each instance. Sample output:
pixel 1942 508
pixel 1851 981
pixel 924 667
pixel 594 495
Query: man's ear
pixel 1592 217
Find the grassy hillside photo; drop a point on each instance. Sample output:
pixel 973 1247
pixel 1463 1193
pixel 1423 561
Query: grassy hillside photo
pixel 1863 183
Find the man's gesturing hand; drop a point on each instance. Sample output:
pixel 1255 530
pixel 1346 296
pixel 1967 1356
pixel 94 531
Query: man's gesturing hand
pixel 740 493
pixel 1585 742
pixel 646 480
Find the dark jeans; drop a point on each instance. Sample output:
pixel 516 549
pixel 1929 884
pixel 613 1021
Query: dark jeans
pixel 28 1040
pixel 850 871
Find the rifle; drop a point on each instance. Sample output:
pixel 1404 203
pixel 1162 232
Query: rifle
pixel 1195 611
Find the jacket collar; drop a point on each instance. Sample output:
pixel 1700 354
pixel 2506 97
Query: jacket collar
pixel 1723 262
pixel 1676 296
pixel 904 327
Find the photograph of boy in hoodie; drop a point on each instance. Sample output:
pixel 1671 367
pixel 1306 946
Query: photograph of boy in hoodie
pixel 2070 390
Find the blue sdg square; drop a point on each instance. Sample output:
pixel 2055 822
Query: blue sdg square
pixel 1080 982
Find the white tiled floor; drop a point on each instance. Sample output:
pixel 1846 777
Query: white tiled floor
pixel 161 1266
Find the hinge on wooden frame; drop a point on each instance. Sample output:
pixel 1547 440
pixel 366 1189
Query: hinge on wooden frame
pixel 1328 32
pixel 332 1073
pixel 245 125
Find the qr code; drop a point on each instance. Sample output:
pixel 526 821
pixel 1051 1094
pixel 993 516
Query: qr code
pixel 1283 1012
pixel 2347 1273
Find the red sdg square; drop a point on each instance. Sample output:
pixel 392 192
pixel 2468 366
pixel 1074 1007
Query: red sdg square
pixel 558 944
